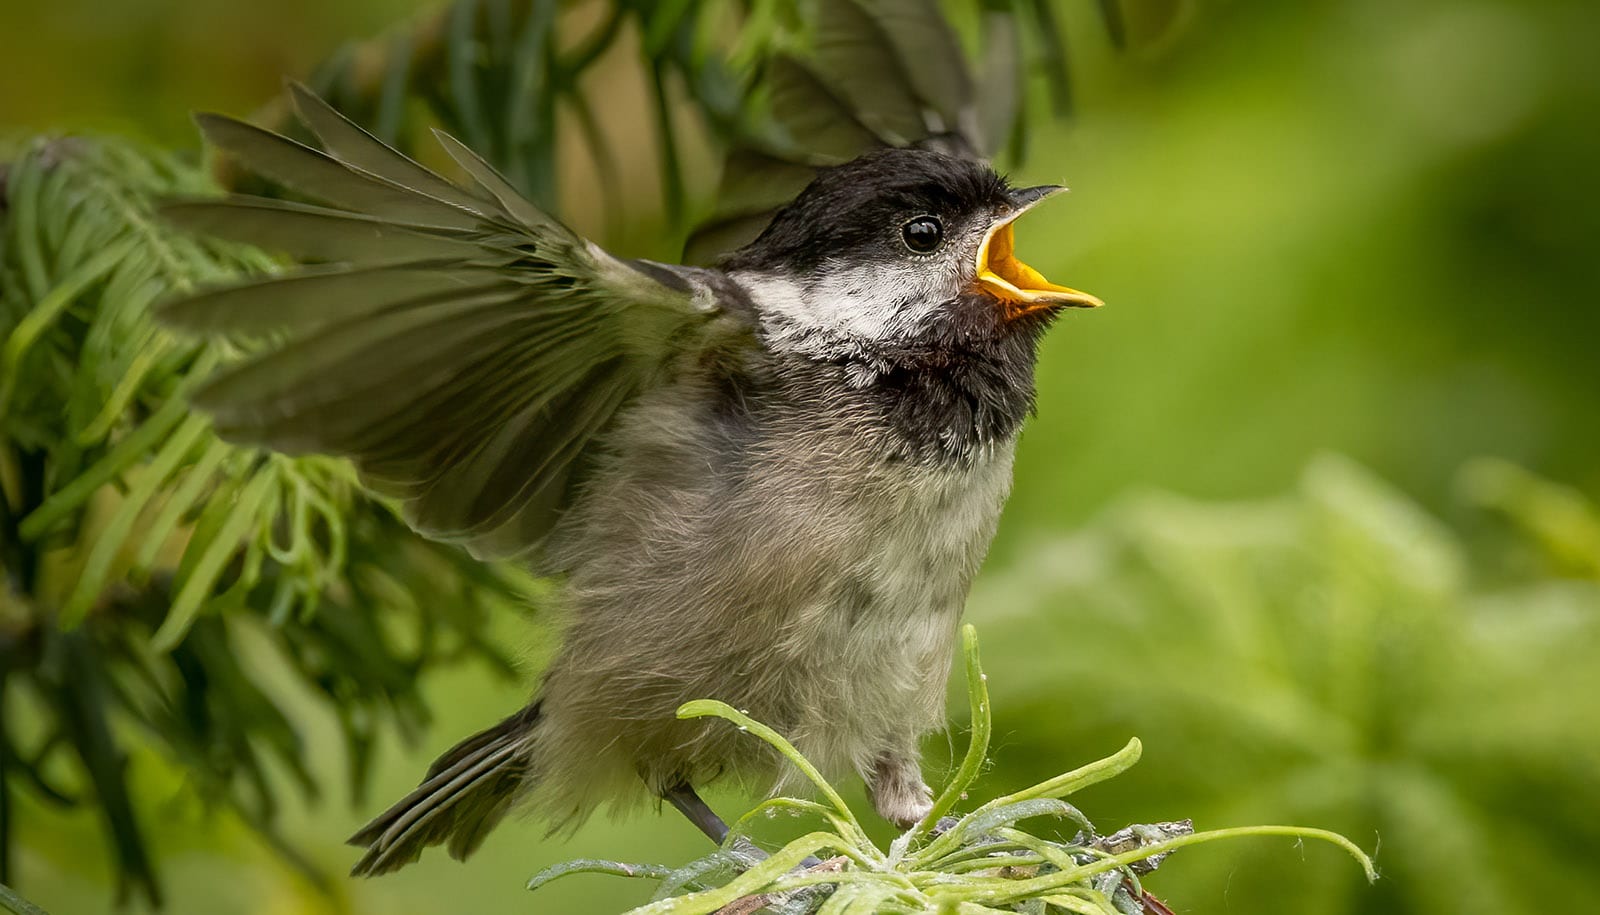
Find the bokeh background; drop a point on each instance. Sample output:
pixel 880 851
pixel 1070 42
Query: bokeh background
pixel 1309 507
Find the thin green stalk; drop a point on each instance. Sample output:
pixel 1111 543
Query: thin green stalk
pixel 197 587
pixel 11 902
pixel 196 478
pixel 127 453
pixel 702 708
pixel 977 741
pixel 1001 891
pixel 110 541
pixel 753 881
pixel 597 866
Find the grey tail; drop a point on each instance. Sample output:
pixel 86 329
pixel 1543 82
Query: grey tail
pixel 466 792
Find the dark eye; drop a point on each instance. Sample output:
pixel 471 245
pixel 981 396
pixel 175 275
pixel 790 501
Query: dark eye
pixel 923 234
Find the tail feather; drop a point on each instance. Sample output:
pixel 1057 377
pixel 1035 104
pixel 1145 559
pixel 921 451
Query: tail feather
pixel 464 794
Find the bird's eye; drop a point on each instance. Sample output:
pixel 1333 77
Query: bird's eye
pixel 923 234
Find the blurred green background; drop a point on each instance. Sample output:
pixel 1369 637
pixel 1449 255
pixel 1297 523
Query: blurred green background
pixel 1346 227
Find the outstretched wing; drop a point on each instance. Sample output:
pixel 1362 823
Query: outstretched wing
pixel 464 348
pixel 881 73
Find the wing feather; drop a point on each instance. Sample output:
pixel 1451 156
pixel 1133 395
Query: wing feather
pixel 814 115
pixel 883 73
pixel 267 398
pixel 348 142
pixel 317 233
pixel 927 48
pixel 318 296
pixel 851 46
pixel 465 349
pixel 1002 81
pixel 495 184
pixel 319 175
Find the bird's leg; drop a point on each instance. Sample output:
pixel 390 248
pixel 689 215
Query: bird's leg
pixel 697 811
pixel 898 791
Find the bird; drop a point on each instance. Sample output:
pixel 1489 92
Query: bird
pixel 768 480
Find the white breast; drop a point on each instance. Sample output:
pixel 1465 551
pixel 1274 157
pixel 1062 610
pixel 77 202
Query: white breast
pixel 880 644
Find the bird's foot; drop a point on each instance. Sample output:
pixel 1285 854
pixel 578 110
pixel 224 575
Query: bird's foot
pixel 898 792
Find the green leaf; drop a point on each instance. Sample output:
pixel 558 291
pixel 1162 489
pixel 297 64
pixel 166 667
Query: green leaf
pixel 977 741
pixel 195 587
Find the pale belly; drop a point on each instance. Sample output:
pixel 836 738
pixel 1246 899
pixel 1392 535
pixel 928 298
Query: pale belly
pixel 821 594
pixel 876 648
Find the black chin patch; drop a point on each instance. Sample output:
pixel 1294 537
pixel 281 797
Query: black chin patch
pixel 961 384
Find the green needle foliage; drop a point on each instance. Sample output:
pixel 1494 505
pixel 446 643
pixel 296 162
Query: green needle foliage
pixel 529 83
pixel 979 863
pixel 139 549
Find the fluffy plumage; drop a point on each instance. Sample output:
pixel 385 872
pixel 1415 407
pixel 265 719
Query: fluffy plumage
pixel 769 483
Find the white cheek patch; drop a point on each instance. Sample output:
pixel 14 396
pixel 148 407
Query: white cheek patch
pixel 870 303
pixel 876 302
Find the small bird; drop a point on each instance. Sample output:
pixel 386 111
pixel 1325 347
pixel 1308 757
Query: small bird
pixel 769 481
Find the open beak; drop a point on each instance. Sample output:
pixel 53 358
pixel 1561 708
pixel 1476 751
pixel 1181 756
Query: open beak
pixel 1019 287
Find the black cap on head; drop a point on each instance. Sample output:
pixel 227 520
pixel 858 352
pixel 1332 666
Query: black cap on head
pixel 854 210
